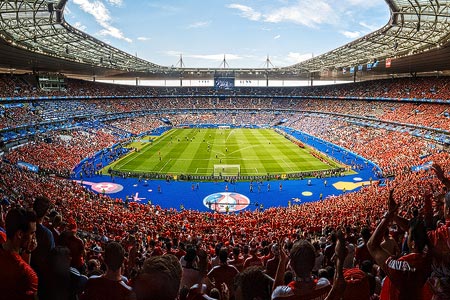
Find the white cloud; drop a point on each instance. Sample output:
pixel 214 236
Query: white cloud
pixel 217 57
pixel 67 11
pixel 164 8
pixel 246 11
pixel 291 58
pixel 371 28
pixel 143 38
pixel 296 57
pixel 173 53
pixel 79 26
pixel 102 16
pixel 199 24
pixel 309 13
pixel 276 37
pixel 115 2
pixel 351 34
pixel 366 3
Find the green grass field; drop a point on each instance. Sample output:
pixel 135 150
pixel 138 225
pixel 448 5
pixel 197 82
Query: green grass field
pixel 196 152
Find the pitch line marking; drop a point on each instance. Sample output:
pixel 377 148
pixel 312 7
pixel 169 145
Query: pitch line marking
pixel 165 164
pixel 251 146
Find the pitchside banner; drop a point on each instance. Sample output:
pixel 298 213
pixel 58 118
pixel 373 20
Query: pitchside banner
pixel 28 166
pixel 425 166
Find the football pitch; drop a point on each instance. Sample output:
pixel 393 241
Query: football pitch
pixel 222 152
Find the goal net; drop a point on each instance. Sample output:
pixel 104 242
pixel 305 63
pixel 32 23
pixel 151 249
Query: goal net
pixel 227 170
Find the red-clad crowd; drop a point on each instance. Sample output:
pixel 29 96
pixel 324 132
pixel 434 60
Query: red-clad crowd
pixel 434 115
pixel 145 231
pixel 391 241
pixel 60 152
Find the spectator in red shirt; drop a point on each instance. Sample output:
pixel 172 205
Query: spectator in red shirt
pixel 238 260
pixel 223 273
pixel 69 239
pixel 17 279
pixel 440 239
pixel 254 259
pixel 110 285
pixel 272 264
pixel 302 259
pixel 407 275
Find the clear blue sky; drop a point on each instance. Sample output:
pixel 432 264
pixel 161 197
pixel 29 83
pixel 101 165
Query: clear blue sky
pixel 246 31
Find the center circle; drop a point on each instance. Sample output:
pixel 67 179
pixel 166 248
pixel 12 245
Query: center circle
pixel 226 202
pixel 107 187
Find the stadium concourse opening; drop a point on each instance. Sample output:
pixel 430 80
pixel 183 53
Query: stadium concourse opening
pixel 222 187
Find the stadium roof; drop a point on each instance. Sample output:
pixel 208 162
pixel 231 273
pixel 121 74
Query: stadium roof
pixel 39 26
pixel 415 26
pixel 35 36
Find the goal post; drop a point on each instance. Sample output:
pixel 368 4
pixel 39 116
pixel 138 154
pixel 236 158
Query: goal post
pixel 227 170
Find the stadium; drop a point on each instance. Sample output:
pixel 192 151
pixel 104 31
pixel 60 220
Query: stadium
pixel 340 161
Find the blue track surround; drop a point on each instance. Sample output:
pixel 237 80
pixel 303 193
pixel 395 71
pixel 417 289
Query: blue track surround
pixel 191 195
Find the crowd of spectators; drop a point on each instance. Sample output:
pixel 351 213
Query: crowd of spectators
pixel 137 251
pixel 431 87
pixel 416 113
pixel 394 152
pixel 60 152
pixel 146 231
